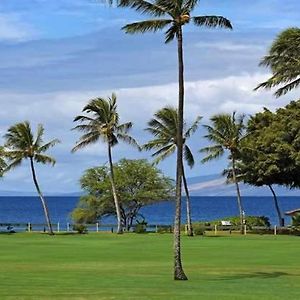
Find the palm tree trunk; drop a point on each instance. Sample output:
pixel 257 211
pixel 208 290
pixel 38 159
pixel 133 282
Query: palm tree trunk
pixel 281 222
pixel 239 199
pixel 44 204
pixel 178 270
pixel 114 190
pixel 188 205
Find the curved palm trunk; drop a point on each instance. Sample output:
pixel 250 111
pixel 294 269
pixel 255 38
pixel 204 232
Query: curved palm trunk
pixel 114 190
pixel 280 219
pixel 188 205
pixel 178 270
pixel 44 204
pixel 239 198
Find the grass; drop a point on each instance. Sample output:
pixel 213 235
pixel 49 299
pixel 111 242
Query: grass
pixel 132 266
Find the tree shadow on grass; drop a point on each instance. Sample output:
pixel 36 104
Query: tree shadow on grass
pixel 259 275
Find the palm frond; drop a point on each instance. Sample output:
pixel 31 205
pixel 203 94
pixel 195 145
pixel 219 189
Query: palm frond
pixel 146 26
pixel 212 21
pixel 188 156
pixel 44 159
pixel 193 128
pixel 144 7
pixel 48 145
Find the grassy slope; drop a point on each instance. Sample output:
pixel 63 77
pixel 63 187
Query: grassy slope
pixel 106 266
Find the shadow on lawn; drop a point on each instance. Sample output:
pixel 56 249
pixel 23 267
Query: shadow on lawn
pixel 260 275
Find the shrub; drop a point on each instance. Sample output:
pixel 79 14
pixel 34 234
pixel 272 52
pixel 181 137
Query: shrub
pixel 80 228
pixel 164 229
pixel 198 230
pixel 141 227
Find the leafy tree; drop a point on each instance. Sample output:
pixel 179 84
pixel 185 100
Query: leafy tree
pixel 270 153
pixel 226 133
pixel 102 122
pixel 164 128
pixel 173 15
pixel 20 144
pixel 138 183
pixel 284 61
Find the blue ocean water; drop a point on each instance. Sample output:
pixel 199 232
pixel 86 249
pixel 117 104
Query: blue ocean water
pixel 28 209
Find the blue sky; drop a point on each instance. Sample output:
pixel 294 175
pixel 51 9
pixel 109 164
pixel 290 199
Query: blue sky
pixel 55 55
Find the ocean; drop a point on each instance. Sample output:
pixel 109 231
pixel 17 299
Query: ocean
pixel 29 210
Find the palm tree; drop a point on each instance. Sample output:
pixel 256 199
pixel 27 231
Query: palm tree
pixel 164 127
pixel 284 61
pixel 102 122
pixel 21 145
pixel 173 15
pixel 226 133
pixel 3 164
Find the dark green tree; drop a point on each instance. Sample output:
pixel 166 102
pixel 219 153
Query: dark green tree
pixel 270 152
pixel 164 128
pixel 172 16
pixel 226 133
pixel 20 144
pixel 283 60
pixel 101 122
pixel 138 182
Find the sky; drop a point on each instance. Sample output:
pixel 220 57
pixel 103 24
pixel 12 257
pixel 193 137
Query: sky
pixel 55 55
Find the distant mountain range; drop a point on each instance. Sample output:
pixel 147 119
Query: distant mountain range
pixel 215 185
pixel 210 185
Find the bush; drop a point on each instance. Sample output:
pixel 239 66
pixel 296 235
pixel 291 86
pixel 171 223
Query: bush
pixel 141 227
pixel 198 230
pixel 164 229
pixel 80 228
pixel 296 221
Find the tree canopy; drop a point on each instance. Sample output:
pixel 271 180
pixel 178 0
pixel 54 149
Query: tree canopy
pixel 271 151
pixel 138 184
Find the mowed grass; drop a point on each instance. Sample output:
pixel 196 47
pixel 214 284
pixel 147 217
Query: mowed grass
pixel 132 266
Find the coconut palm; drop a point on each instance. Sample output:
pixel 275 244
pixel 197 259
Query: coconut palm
pixel 173 15
pixel 102 122
pixel 164 127
pixel 226 133
pixel 3 164
pixel 20 144
pixel 284 61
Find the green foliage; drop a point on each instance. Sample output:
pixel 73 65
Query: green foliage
pixel 102 122
pixel 21 144
pixel 296 221
pixel 3 164
pixel 138 184
pixel 198 229
pixel 140 227
pixel 270 153
pixel 226 133
pixel 174 15
pixel 251 221
pixel 80 228
pixel 164 128
pixel 283 61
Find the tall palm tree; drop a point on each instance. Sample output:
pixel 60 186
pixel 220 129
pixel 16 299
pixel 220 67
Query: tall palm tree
pixel 284 61
pixel 173 15
pixel 20 144
pixel 164 127
pixel 226 133
pixel 102 122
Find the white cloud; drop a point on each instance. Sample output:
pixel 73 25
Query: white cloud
pixel 229 46
pixel 13 29
pixel 57 110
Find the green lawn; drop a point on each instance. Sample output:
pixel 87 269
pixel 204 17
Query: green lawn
pixel 107 266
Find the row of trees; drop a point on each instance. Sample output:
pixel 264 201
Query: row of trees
pixel 172 16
